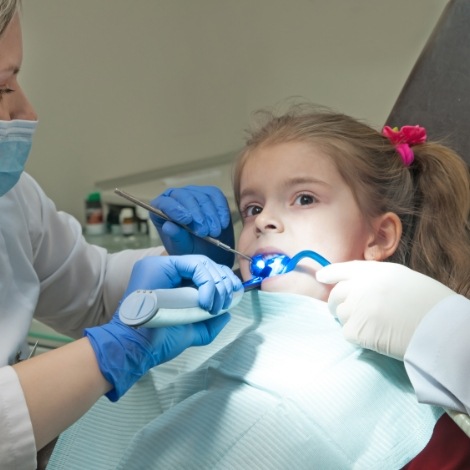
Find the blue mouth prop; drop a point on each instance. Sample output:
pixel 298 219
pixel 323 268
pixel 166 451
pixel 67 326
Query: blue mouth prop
pixel 264 266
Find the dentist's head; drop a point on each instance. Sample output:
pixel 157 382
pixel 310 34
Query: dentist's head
pixel 17 117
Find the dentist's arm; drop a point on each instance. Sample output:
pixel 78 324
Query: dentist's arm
pixel 395 311
pixel 61 385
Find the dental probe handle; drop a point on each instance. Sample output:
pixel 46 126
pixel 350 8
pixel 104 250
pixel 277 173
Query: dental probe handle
pixel 166 307
pixel 161 214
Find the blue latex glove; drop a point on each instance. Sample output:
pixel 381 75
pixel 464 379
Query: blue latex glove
pixel 125 354
pixel 204 209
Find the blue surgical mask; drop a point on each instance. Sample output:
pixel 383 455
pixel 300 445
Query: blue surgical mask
pixel 15 143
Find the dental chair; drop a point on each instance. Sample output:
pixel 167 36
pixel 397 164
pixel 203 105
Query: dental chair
pixel 436 95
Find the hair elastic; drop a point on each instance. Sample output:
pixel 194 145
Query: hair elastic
pixel 404 138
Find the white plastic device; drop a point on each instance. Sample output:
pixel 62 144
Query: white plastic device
pixel 166 307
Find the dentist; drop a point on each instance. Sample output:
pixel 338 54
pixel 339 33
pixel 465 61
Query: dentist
pixel 49 272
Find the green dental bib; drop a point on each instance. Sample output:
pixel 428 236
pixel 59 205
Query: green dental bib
pixel 278 388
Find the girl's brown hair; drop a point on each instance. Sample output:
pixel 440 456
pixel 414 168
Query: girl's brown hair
pixel 431 196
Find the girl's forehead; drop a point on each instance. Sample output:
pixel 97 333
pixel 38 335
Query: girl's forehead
pixel 287 158
pixel 284 165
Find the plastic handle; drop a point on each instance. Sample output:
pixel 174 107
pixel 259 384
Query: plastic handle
pixel 166 307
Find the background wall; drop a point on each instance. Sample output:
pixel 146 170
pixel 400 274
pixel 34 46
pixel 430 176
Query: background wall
pixel 128 88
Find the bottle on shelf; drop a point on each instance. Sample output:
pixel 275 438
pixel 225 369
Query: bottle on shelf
pixel 94 219
pixel 127 220
pixel 113 223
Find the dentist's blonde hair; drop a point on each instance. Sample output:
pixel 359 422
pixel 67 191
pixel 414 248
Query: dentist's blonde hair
pixel 431 196
pixel 8 8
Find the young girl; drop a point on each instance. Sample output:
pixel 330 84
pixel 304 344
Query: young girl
pixel 280 387
pixel 320 178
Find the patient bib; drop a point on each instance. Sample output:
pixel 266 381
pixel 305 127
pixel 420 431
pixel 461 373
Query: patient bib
pixel 278 388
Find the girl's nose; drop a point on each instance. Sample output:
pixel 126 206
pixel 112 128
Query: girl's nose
pixel 268 221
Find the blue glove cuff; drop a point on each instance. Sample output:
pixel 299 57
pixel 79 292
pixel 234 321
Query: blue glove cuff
pixel 121 358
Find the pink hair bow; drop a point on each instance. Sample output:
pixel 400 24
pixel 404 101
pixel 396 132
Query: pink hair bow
pixel 403 139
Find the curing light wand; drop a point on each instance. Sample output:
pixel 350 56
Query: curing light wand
pixel 162 215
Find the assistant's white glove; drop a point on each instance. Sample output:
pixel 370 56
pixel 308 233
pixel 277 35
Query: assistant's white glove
pixel 380 304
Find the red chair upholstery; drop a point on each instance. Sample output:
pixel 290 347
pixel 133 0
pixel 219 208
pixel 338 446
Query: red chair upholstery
pixel 448 449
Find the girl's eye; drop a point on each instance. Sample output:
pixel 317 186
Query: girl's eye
pixel 250 211
pixel 305 200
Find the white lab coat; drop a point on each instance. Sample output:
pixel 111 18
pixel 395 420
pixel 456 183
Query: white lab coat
pixel 438 357
pixel 47 270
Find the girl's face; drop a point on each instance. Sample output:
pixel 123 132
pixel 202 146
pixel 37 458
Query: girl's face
pixel 292 198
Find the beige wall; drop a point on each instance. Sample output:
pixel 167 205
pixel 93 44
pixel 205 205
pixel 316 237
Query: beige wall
pixel 124 87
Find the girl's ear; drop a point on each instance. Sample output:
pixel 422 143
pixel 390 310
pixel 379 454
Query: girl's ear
pixel 384 240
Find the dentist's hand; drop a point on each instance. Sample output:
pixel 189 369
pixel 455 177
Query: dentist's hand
pixel 380 304
pixel 204 209
pixel 125 354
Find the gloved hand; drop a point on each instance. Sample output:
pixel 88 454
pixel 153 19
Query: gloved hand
pixel 125 354
pixel 380 304
pixel 205 211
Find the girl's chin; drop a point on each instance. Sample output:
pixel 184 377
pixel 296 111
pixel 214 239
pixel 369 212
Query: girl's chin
pixel 295 284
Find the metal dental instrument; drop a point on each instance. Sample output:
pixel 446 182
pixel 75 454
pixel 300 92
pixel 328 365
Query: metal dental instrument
pixel 161 214
pixel 33 351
